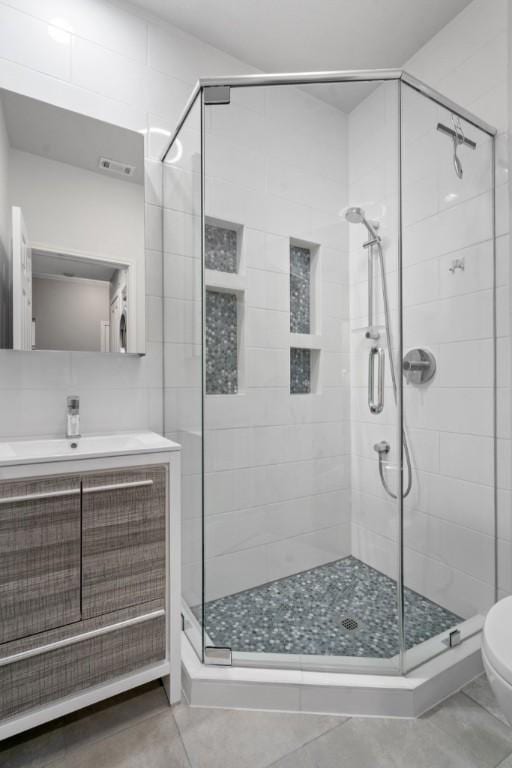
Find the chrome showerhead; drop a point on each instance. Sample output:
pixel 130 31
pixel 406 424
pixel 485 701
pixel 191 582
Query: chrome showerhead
pixel 355 215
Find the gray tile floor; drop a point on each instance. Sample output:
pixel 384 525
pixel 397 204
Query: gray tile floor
pixel 308 613
pixel 139 730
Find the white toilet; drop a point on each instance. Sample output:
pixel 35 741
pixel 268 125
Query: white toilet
pixel 497 653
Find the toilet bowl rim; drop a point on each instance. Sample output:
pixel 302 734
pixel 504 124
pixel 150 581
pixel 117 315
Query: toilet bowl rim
pixel 501 671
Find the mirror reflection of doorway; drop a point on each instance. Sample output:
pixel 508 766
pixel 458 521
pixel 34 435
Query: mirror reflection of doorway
pixel 71 302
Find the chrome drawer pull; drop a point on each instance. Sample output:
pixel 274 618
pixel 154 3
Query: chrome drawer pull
pixel 117 486
pixel 37 496
pixel 73 639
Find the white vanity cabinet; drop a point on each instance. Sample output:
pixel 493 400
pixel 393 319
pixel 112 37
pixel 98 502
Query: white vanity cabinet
pixel 89 577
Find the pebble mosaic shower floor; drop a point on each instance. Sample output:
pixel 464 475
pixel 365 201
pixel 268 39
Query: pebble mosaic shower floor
pixel 314 612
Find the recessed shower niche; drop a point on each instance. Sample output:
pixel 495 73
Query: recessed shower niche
pixel 221 248
pixel 304 318
pixel 224 306
pixel 304 371
pixel 305 513
pixel 300 289
pixel 221 343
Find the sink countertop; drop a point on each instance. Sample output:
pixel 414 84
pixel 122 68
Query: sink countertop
pixel 39 451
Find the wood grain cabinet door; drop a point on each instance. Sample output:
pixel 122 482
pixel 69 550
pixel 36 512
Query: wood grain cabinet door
pixel 40 534
pixel 123 539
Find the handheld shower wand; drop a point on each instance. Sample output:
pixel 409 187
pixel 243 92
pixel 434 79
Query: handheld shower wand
pixel 356 215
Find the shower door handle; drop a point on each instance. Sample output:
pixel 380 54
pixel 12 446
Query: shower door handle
pixel 376 402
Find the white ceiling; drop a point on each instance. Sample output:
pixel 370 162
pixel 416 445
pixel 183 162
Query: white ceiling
pixel 309 35
pixel 68 137
pixel 46 264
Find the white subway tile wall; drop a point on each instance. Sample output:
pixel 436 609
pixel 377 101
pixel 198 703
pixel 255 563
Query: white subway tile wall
pixel 282 492
pixel 449 517
pixel 277 190
pixel 374 186
pixel 263 519
pixel 113 64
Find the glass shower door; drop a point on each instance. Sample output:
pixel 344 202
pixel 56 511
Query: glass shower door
pixel 330 370
pixel 301 542
pixel 182 325
pixel 449 524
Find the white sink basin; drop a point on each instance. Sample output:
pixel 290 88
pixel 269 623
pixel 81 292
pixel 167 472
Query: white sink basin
pixel 37 451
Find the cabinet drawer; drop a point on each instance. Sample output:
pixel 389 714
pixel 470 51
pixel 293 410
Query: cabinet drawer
pixel 39 555
pixel 123 539
pixel 55 674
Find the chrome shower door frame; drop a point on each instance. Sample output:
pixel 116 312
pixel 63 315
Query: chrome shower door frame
pixel 405 660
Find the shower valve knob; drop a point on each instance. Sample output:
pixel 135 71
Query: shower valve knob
pixel 419 366
pixel 416 365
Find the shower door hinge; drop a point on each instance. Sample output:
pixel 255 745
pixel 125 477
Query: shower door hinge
pixel 217 655
pixel 217 94
pixel 454 638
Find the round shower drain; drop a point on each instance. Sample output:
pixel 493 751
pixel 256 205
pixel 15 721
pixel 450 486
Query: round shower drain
pixel 349 623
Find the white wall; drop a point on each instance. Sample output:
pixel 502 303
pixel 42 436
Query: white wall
pixel 5 321
pixel 468 61
pixel 277 496
pixel 69 313
pixel 123 68
pixel 255 158
pixel 448 525
pixel 68 209
pixel 374 186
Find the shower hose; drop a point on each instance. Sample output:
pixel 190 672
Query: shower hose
pixel 394 382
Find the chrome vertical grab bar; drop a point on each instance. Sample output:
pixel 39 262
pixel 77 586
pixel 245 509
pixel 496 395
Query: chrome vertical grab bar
pixel 376 405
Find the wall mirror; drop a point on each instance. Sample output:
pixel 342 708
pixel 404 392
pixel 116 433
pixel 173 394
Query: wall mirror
pixel 72 272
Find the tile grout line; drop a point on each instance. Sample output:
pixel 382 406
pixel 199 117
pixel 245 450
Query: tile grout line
pixel 480 706
pixel 74 747
pixel 96 740
pixel 311 741
pixel 488 711
pixel 125 727
pixel 505 759
pixel 182 740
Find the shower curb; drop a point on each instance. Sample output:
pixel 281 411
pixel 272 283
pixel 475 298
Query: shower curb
pixel 350 695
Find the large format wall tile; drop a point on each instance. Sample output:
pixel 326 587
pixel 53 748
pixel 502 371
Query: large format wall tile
pixel 449 422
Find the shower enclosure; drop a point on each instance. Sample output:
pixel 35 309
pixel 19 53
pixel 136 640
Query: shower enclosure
pixel 330 369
